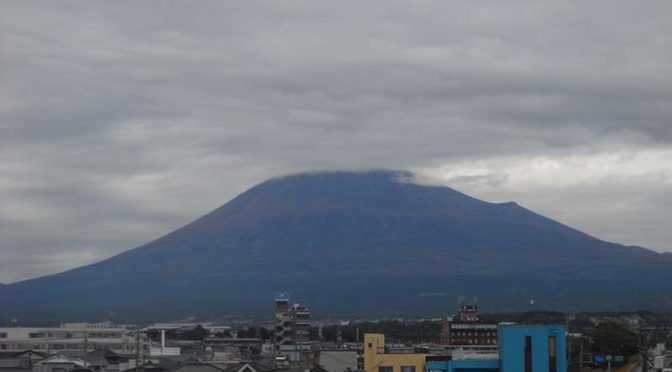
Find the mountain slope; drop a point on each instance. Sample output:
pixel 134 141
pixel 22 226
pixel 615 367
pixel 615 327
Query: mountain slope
pixel 367 243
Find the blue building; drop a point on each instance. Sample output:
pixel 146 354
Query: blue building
pixel 521 349
pixel 532 349
pixel 464 366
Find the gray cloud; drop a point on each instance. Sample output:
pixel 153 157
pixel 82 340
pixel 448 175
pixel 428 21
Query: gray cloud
pixel 120 121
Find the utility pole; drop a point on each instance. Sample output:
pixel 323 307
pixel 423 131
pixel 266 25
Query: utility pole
pixel 137 351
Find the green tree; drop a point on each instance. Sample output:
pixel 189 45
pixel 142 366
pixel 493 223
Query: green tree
pixel 198 333
pixel 255 331
pixel 611 338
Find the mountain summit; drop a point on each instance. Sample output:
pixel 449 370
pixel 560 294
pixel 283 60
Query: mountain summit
pixel 353 243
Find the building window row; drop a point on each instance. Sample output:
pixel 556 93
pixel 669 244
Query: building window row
pixel 391 369
pixel 465 341
pixel 61 347
pixel 473 326
pixel 475 333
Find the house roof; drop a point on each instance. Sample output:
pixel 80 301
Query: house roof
pixel 107 356
pixel 259 366
pixel 31 352
pixel 15 369
pixel 196 367
pixel 60 358
pixel 81 370
pixel 250 367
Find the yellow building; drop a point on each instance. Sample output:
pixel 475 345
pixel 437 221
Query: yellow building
pixel 377 358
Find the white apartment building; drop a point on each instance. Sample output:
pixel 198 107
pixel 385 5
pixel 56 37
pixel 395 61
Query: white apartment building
pixel 73 337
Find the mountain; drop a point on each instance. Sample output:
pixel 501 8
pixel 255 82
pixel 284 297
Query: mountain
pixel 353 244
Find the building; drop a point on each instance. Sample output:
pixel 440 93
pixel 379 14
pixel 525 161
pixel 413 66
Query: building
pixel 468 330
pixel 228 350
pixel 196 367
pixel 378 357
pixel 212 329
pixel 533 348
pixel 491 365
pixel 468 313
pixel 22 361
pixel 162 350
pixel 292 328
pixel 339 360
pixel 264 366
pixel 282 334
pixel 300 316
pixel 72 337
pixel 60 363
pixel 521 349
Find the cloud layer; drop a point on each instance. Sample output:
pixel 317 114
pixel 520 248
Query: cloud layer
pixel 120 121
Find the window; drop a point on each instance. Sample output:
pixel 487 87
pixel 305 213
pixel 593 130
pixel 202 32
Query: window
pixel 528 353
pixel 552 357
pixel 407 368
pixel 3 334
pixel 385 369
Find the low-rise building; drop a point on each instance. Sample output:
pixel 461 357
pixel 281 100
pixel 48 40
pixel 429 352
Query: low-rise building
pixel 380 358
pixel 75 337
pixel 468 330
pixel 338 360
pixel 60 363
pixel 20 360
pixel 522 349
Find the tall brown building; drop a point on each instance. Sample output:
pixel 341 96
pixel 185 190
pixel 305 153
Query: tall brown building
pixel 468 330
pixel 292 328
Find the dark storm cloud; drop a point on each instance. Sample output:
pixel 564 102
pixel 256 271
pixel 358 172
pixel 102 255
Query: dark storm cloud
pixel 122 120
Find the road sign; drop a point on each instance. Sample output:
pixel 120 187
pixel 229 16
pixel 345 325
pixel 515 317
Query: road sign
pixel 600 359
pixel 619 358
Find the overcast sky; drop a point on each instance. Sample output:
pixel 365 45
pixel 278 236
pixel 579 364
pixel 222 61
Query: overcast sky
pixel 123 120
